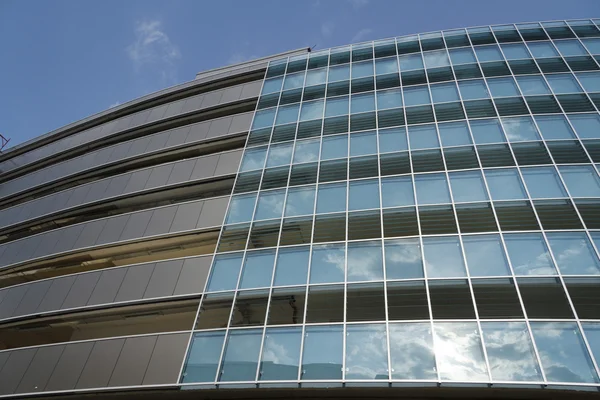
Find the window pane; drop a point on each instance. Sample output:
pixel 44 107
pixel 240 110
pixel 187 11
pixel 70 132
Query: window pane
pixel 307 151
pixel 473 89
pixel 241 208
pixel 300 201
pixel 292 266
pixel 281 354
pixel 386 65
pixel 593 45
pixel 592 332
pixel 502 87
pixel 528 254
pixel 531 85
pixel 225 272
pixel 331 198
pixel 362 69
pixel 570 48
pixel 363 143
pixel 416 95
pixel 312 110
pixel 510 351
pixel 411 351
pixel 363 195
pixel 403 259
pixel 258 269
pixel 272 85
pixel 505 184
pixel 322 354
pixel 468 186
pixel 362 103
pixel 573 253
pixel 423 137
pixel 270 204
pixel 293 81
pixel 485 256
pixel 435 59
pixel 562 352
pixel 554 127
pixel 515 51
pixel 280 154
pixel 203 359
pixel 316 76
pixel 366 352
pixel 444 92
pixel 458 351
pixel 488 53
pixel 581 181
pixel 520 129
pixel 410 61
pixel 587 126
pixel 443 257
pixel 543 182
pixel 454 134
pixel 462 56
pixel 253 159
pixel 263 118
pixel 287 114
pixel 542 49
pixel 328 263
pixel 397 191
pixel 390 98
pixel 240 359
pixel 337 106
pixel 339 73
pixel 365 261
pixel 393 139
pixel 334 147
pixel 563 83
pixel 432 189
pixel 590 81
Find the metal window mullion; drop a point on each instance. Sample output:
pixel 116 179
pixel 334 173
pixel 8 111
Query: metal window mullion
pixel 590 55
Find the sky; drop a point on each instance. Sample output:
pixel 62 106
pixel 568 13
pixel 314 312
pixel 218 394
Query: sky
pixel 64 60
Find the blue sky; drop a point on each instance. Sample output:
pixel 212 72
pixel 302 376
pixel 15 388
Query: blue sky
pixel 63 60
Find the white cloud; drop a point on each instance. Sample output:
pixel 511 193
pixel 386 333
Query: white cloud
pixel 356 4
pixel 153 48
pixel 116 103
pixel 327 28
pixel 361 35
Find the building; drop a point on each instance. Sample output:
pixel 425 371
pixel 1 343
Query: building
pixel 418 216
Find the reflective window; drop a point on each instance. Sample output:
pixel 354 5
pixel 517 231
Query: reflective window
pixel 366 352
pixel 581 181
pixel 505 184
pixel 258 269
pixel 334 147
pixel 362 102
pixel 432 189
pixel 573 253
pixel 397 191
pixel 510 351
pixel 473 89
pixel 411 351
pixel 454 134
pixel 280 154
pixel 554 127
pixel 287 114
pixel 587 126
pixel 532 85
pixel 485 256
pixel 563 83
pixel 503 87
pixel 542 49
pixel 240 359
pixel 292 266
pixel 312 110
pixel 390 98
pixel 306 151
pixel 293 81
pixel 520 129
pixel 529 254
pixel 458 352
pixel 323 352
pixel 300 201
pixel 593 45
pixel 592 332
pixel 411 61
pixel 363 143
pixel 468 186
pixel 393 139
pixel 337 106
pixel 543 182
pixel 241 208
pixel 270 204
pixel 435 59
pixel 263 118
pixel 570 48
pixel 443 257
pixel 253 159
pixel 272 85
pixel 562 352
pixel 225 272
pixel 363 195
pixel 423 137
pixel 414 96
pixel 462 56
pixel 488 53
pixel 444 92
pixel 386 65
pixel 515 51
pixel 362 69
pixel 365 261
pixel 203 358
pixel 590 81
pixel 328 263
pixel 331 198
pixel 316 76
pixel 403 259
pixel 339 73
pixel 281 354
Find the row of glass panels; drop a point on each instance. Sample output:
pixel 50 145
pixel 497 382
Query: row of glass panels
pixel 442 351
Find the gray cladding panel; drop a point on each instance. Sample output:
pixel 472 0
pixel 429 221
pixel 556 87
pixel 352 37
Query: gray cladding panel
pixel 219 127
pixel 241 122
pixel 198 132
pixel 33 298
pixel 136 225
pixel 69 366
pixel 112 230
pixel 40 369
pixel 107 287
pixel 205 167
pixel 100 364
pixel 14 368
pixel 12 300
pixel 213 212
pixel 160 221
pixel 193 275
pixel 81 290
pixel 228 162
pixel 186 216
pixel 133 361
pixel 164 278
pixel 166 359
pixel 135 282
pixel 56 294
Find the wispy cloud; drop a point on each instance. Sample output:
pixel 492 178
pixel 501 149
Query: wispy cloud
pixel 116 103
pixel 361 35
pixel 152 48
pixel 327 28
pixel 356 4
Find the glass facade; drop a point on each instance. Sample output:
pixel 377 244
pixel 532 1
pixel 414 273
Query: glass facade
pixel 418 209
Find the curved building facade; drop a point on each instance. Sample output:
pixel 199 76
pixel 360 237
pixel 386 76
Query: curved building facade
pixel 417 216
